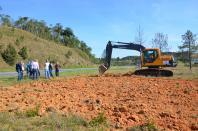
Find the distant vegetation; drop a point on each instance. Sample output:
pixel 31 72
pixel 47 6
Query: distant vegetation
pixel 56 33
pixel 125 61
pixel 17 45
pixel 26 39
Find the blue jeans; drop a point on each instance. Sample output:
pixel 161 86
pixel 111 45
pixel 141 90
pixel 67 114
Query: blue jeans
pixel 51 74
pixel 35 74
pixel 57 72
pixel 19 75
pixel 47 74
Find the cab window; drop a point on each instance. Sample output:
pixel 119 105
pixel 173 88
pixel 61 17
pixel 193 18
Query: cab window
pixel 150 56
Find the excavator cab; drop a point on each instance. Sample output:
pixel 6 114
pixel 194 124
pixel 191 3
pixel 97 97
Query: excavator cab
pixel 149 56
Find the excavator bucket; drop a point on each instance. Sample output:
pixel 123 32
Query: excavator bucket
pixel 102 68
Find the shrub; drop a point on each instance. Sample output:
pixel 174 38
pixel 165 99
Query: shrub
pixel 1 48
pixel 68 54
pixel 99 120
pixel 32 112
pixel 21 38
pixel 144 127
pixel 23 53
pixel 17 42
pixel 9 55
pixel 13 29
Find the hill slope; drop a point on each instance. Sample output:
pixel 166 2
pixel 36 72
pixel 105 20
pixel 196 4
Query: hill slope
pixel 40 49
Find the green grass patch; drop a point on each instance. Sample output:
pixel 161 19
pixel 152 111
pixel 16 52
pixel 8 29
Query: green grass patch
pixel 51 121
pixel 98 121
pixel 145 127
pixel 32 112
pixel 10 81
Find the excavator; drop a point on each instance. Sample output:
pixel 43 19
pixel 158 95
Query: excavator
pixel 151 58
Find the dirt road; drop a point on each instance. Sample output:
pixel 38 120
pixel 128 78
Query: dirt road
pixel 125 100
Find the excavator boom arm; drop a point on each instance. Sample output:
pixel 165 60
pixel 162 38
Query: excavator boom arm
pixel 120 45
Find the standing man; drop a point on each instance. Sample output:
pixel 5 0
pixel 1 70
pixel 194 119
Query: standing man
pixel 47 73
pixel 57 68
pixel 51 69
pixel 28 69
pixel 35 69
pixel 19 71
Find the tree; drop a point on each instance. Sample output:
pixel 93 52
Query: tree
pixel 189 40
pixel 57 30
pixel 9 55
pixel 21 22
pixel 160 41
pixel 139 37
pixel 67 32
pixel 68 38
pixel 23 52
pixel 6 20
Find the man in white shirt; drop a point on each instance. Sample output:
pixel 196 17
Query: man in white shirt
pixel 47 73
pixel 35 68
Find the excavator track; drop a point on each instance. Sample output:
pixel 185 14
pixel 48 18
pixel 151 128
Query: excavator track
pixel 154 72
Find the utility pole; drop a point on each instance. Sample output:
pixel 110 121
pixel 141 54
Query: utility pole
pixel 189 53
pixel 139 40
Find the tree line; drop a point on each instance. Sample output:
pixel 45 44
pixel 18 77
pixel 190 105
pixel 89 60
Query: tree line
pixel 187 47
pixel 56 33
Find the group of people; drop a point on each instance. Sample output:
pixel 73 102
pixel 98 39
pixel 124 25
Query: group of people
pixel 33 70
pixel 49 69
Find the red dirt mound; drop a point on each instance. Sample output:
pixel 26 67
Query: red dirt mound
pixel 126 100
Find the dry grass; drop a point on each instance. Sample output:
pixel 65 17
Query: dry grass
pixel 182 71
pixel 39 48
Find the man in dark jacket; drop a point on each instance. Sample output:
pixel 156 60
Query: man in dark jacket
pixel 57 69
pixel 51 69
pixel 19 70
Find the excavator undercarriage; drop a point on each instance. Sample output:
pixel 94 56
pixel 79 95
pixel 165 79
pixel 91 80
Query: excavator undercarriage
pixel 154 72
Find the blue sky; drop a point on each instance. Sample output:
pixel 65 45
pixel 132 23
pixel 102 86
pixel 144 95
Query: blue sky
pixel 97 21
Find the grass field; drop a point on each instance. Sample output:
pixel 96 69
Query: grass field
pixel 9 81
pixel 180 71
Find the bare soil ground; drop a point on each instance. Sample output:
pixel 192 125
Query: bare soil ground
pixel 126 101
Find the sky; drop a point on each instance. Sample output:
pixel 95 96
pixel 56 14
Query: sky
pixel 98 21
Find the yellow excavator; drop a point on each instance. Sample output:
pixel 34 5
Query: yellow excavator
pixel 150 58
